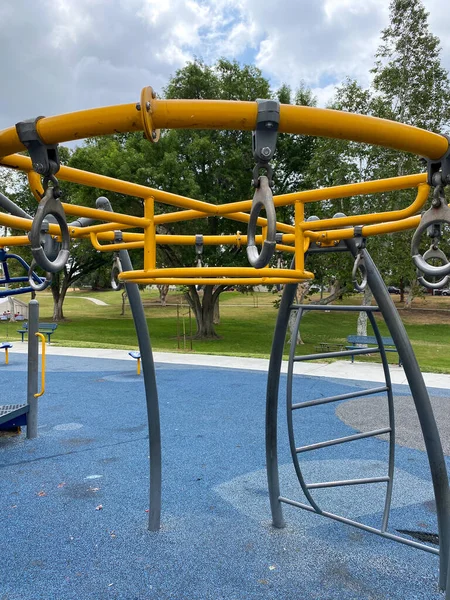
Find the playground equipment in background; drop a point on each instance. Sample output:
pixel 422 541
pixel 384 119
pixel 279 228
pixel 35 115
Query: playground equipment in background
pixel 137 355
pixel 16 415
pixel 265 118
pixel 6 347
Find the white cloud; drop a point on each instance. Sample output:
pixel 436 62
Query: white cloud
pixel 66 55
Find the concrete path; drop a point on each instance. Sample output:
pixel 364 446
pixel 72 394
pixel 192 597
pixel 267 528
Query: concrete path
pixel 94 300
pixel 342 369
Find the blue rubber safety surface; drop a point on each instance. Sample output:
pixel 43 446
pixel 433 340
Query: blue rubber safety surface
pixel 74 500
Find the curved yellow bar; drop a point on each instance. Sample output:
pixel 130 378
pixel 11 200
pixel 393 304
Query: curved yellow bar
pixel 210 272
pixel 222 114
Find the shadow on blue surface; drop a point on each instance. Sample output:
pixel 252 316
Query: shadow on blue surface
pixel 74 500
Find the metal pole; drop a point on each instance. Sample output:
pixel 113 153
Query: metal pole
pixel 33 365
pixel 423 406
pixel 151 395
pixel 273 383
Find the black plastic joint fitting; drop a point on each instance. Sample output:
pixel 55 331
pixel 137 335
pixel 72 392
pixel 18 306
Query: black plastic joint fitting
pixel 438 171
pixel 199 243
pixel 44 157
pixel 264 138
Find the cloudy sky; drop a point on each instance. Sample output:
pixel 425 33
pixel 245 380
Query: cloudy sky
pixel 65 55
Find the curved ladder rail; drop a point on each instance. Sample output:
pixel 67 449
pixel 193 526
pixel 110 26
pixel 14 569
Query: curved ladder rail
pixel 291 407
pixel 421 399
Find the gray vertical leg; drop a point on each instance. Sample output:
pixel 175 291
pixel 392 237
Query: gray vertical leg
pixel 273 384
pixel 33 366
pixel 423 406
pixel 151 395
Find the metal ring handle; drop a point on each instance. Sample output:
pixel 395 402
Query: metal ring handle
pixel 49 205
pixel 32 277
pixel 437 285
pixel 263 198
pixel 438 254
pixel 430 217
pixel 116 269
pixel 359 264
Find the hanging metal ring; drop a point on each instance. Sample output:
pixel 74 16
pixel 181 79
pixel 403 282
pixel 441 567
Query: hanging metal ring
pixel 438 213
pixel 32 277
pixel 359 264
pixel 49 205
pixel 436 253
pixel 116 269
pixel 263 198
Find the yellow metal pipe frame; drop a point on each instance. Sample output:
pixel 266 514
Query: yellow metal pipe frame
pixel 214 272
pixel 230 115
pixel 221 115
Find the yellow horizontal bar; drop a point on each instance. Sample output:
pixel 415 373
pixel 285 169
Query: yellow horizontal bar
pixel 229 115
pixel 14 240
pixel 114 247
pixel 212 272
pixel 102 228
pixel 220 280
pixel 371 218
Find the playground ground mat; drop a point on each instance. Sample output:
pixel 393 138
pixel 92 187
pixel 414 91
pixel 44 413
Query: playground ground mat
pixel 74 501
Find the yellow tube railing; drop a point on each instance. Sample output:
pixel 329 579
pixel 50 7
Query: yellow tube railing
pixel 296 236
pixel 221 114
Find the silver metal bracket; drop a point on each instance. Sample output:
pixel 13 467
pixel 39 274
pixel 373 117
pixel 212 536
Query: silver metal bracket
pixel 264 137
pixel 44 157
pixel 439 170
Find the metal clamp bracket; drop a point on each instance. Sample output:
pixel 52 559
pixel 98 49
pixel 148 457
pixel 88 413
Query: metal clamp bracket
pixel 439 170
pixel 44 157
pixel 264 137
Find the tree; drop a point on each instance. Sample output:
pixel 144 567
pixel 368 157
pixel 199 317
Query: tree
pixel 413 88
pixel 213 166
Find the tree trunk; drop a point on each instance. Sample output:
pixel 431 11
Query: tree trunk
pixel 361 328
pixel 163 291
pixel 59 294
pixel 216 313
pixel 124 301
pixel 204 310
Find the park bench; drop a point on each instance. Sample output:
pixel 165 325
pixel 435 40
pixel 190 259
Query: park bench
pixel 356 341
pixel 45 328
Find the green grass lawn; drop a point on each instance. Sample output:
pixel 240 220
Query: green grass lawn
pixel 245 329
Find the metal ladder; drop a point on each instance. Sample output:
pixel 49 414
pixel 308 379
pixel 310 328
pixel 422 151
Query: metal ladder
pixel 295 406
pixel 420 397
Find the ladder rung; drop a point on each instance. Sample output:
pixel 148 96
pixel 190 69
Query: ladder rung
pixel 355 352
pixel 357 394
pixel 348 438
pixel 327 484
pixel 333 308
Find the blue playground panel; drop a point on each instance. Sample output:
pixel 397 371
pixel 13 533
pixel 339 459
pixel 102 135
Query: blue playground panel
pixel 74 500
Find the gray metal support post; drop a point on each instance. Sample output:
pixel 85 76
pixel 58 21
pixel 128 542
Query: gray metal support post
pixel 33 367
pixel 273 383
pixel 423 406
pixel 151 395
